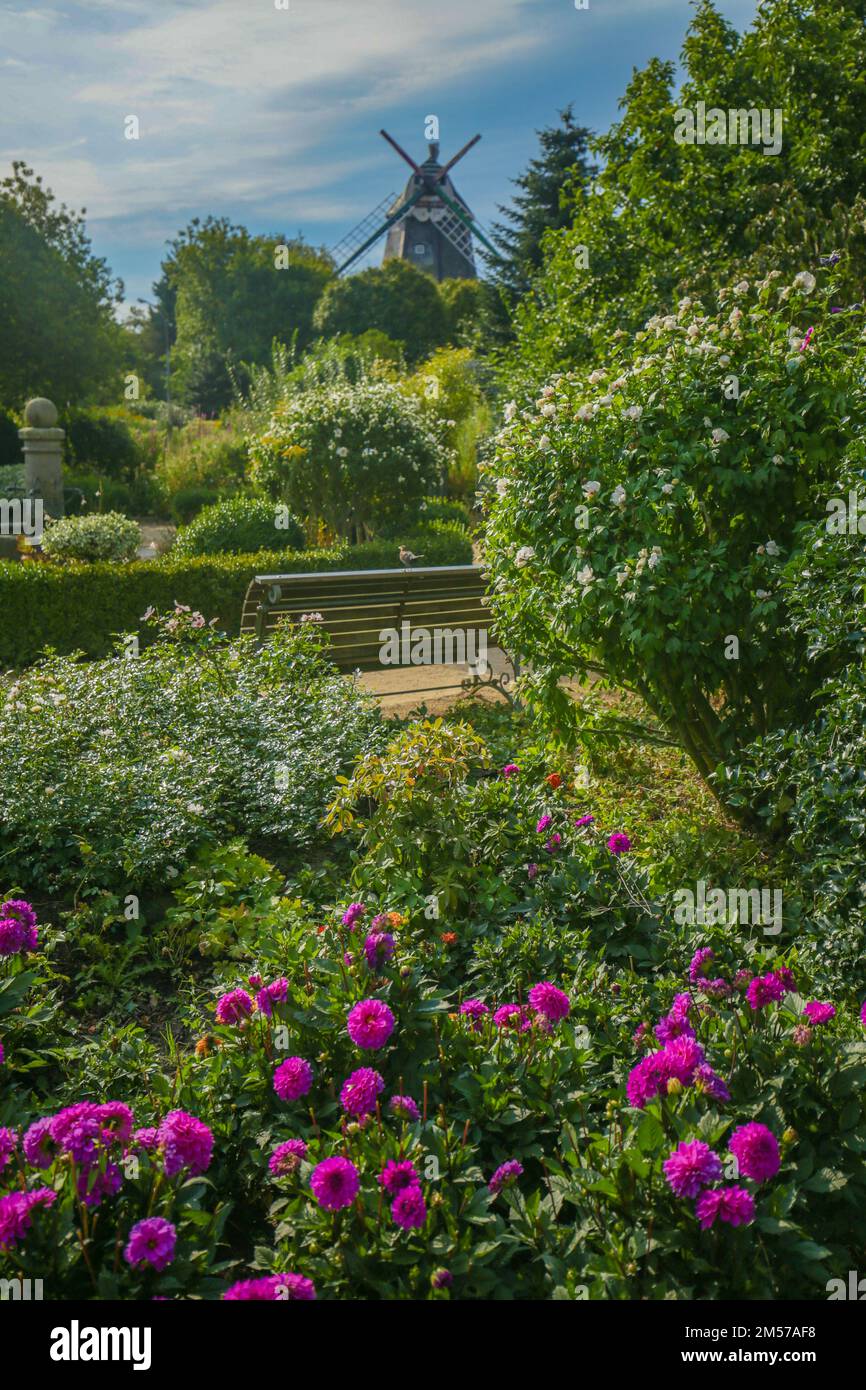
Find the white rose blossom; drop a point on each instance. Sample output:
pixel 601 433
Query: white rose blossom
pixel 524 555
pixel 720 437
pixel 804 281
pixel 618 495
pixel 591 488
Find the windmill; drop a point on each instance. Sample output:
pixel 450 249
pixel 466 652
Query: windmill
pixel 428 224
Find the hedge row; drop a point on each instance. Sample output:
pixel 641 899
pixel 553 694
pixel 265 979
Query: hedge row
pixel 82 606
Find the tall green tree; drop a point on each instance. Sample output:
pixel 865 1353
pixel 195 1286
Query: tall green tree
pixel 395 298
pixel 668 218
pixel 58 334
pixel 234 294
pixel 541 205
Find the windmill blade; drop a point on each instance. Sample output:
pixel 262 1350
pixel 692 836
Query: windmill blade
pixel 466 220
pixel 384 226
pixel 353 239
pixel 459 155
pixel 401 152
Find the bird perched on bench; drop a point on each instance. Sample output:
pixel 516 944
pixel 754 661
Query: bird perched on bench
pixel 408 557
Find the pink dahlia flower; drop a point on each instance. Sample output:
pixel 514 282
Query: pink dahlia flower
pixel 734 1205
pixel 37 1144
pixel 186 1143
pixel 8 1145
pixel 700 963
pixel 676 1023
pixel 152 1242
pixel 272 1288
pixel 506 1174
pixel 378 948
pixel 509 770
pixel 584 820
pixel 756 1151
pixel 817 1012
pixel 710 1083
pixel 765 989
pixel 474 1010
pixel 275 993
pixel 549 1001
pixel 395 1176
pixel 619 843
pixel 286 1158
pixel 370 1024
pixel 543 823
pixel 335 1183
pixel 692 1166
pixel 293 1078
pixel 353 913
pixel 511 1016
pixel 360 1092
pixel 408 1208
pixel 15 1213
pixel 15 910
pixel 234 1007
pixel 403 1107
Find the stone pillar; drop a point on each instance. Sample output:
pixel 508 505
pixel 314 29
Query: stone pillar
pixel 43 455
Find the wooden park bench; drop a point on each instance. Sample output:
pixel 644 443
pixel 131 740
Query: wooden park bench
pixel 371 613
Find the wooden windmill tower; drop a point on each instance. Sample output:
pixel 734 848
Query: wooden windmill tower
pixel 428 224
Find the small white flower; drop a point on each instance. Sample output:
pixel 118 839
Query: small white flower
pixel 742 287
pixel 585 576
pixel 591 488
pixel 771 548
pixel 633 412
pixel 735 317
pixel 547 391
pixel 761 593
pixel 605 400
pixel 667 489
pixel 585 412
pixel 502 485
pixel 654 560
pixel 544 442
pixel 524 555
pixel 617 497
pixel 778 459
pixel 669 321
pixel 548 410
pixel 510 410
pixel 720 437
pixel 724 360
pixel 342 452
pixel 621 577
pixel 618 384
pixel 804 281
pixel 595 377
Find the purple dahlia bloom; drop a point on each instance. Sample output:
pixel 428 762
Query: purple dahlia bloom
pixel 186 1143
pixel 765 989
pixel 275 993
pixel 151 1241
pixel 408 1208
pixel 404 1107
pixel 272 1288
pixel 37 1144
pixel 395 1176
pixel 353 913
pixel 370 1024
pixel 734 1205
pixel 335 1183
pixel 293 1078
pixel 691 1166
pixel 360 1092
pixel 506 1174
pixel 15 1213
pixel 700 963
pixel 234 1007
pixel 549 1001
pixel 442 1279
pixel 8 1145
pixel 378 948
pixel 543 823
pixel 286 1157
pixel 619 843
pixel 474 1010
pixel 756 1151
pixel 816 1012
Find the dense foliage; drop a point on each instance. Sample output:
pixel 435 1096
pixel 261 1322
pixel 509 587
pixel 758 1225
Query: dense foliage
pixel 239 525
pixel 103 536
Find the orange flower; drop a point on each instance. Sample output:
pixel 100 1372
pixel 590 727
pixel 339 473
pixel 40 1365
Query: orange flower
pixel 202 1047
pixel 449 937
pixel 396 919
pixel 554 780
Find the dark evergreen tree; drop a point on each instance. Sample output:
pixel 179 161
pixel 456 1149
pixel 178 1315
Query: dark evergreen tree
pixel 539 206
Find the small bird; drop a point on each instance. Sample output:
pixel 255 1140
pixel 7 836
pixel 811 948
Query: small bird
pixel 408 558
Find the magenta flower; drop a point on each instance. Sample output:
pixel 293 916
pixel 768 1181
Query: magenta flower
pixel 408 1208
pixel 2 1055
pixel 335 1183
pixel 756 1151
pixel 532 870
pixel 37 1144
pixel 509 770
pixel 505 1176
pixel 370 1024
pixel 676 1024
pixel 474 1010
pixel 8 1145
pixel 18 930
pixel 404 1107
pixel 734 1205
pixel 543 823
pixel 765 989
pixel 710 1084
pixel 360 1092
pixel 234 1007
pixel 186 1143
pixel 683 1056
pixel 584 820
pixel 272 1288
pixel 98 1182
pixel 152 1242
pixel 863 1013
pixel 147 1138
pixel 549 1001
pixel 293 1078
pixel 378 948
pixel 619 843
pixel 690 1167
pixel 645 1080
pixel 395 1176
pixel 700 963
pixel 553 843
pixel 15 1213
pixel 817 1012
pixel 286 1157
pixel 511 1016
pixel 275 993
pixel 117 1121
pixel 352 914
pixel 442 1279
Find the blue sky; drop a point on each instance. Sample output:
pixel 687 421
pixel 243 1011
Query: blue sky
pixel 270 116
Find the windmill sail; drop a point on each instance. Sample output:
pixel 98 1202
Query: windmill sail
pixel 373 222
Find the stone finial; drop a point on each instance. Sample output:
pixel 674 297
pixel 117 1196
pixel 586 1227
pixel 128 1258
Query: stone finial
pixel 40 414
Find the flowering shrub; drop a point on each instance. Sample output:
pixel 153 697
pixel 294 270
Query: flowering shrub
pixel 100 536
pixel 360 457
pixel 121 768
pixel 641 514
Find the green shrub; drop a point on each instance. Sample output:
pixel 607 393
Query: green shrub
pixel 642 513
pixel 102 536
pixel 113 771
pixel 134 498
pixel 80 606
pixel 360 457
pixel 239 526
pixel 203 455
pixel 97 441
pixel 187 502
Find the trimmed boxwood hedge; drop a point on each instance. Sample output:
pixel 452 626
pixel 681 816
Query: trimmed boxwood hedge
pixel 81 606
